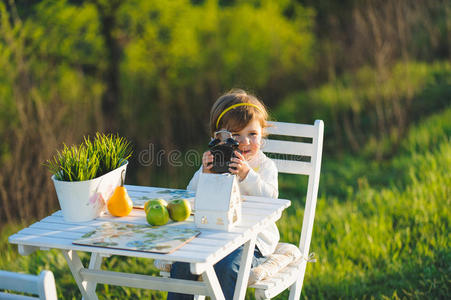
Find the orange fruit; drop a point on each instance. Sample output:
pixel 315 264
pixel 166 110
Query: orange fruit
pixel 120 204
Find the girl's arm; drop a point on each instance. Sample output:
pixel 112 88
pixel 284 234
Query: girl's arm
pixel 262 183
pixel 207 159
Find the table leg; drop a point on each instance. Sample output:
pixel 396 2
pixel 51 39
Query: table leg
pixel 94 264
pixel 211 280
pixel 75 265
pixel 245 268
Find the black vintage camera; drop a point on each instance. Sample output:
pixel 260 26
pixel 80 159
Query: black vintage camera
pixel 222 147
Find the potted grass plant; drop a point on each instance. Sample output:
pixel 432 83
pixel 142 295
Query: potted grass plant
pixel 86 175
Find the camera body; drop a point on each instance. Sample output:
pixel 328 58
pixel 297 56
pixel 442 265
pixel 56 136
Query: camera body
pixel 222 147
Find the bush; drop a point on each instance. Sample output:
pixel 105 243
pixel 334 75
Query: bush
pixel 370 113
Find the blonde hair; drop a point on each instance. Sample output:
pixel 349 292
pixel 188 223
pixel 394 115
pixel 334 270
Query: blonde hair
pixel 238 117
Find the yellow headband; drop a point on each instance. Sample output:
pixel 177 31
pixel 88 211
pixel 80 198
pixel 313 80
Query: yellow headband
pixel 232 107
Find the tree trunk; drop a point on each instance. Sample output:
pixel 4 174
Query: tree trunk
pixel 110 101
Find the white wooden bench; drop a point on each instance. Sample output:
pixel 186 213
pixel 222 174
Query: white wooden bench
pixel 42 285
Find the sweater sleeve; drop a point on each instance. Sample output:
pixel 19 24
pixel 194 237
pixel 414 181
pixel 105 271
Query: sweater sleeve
pixel 192 185
pixel 262 182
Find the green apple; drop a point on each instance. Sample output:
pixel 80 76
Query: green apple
pixel 154 201
pixel 157 214
pixel 179 210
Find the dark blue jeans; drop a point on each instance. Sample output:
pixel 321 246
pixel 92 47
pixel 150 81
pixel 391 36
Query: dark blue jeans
pixel 226 271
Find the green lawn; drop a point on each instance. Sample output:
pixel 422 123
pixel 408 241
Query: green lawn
pixel 382 230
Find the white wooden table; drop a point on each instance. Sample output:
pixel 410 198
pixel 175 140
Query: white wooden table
pixel 202 253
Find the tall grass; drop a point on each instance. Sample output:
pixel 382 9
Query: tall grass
pixel 375 237
pixel 112 150
pixel 388 240
pixel 75 163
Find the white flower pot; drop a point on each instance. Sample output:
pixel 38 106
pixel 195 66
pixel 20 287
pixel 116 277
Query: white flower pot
pixel 82 201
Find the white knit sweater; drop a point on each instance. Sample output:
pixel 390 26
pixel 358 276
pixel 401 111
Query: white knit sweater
pixel 260 181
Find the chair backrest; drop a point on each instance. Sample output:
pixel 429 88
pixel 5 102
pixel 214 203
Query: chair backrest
pixel 299 157
pixel 42 285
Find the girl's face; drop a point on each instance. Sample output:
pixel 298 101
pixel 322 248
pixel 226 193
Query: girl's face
pixel 250 138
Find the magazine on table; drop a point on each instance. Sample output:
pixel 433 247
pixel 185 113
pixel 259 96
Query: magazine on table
pixel 138 237
pixel 140 197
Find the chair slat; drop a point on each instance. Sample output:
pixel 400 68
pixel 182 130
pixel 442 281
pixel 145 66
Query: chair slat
pixel 287 147
pixel 19 282
pixel 5 296
pixel 292 129
pixel 293 167
pixel 42 285
pixel 289 275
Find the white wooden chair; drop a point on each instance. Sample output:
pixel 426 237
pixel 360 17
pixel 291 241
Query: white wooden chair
pixel 292 276
pixel 42 285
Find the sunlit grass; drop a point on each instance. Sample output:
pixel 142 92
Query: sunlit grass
pixel 384 240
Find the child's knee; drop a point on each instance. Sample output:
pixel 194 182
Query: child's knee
pixel 229 266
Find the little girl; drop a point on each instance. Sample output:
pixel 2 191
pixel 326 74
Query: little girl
pixel 245 117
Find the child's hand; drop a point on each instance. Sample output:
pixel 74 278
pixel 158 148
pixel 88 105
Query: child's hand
pixel 207 162
pixel 239 166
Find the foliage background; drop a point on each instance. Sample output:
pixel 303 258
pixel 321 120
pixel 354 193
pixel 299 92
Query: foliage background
pixel 377 72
